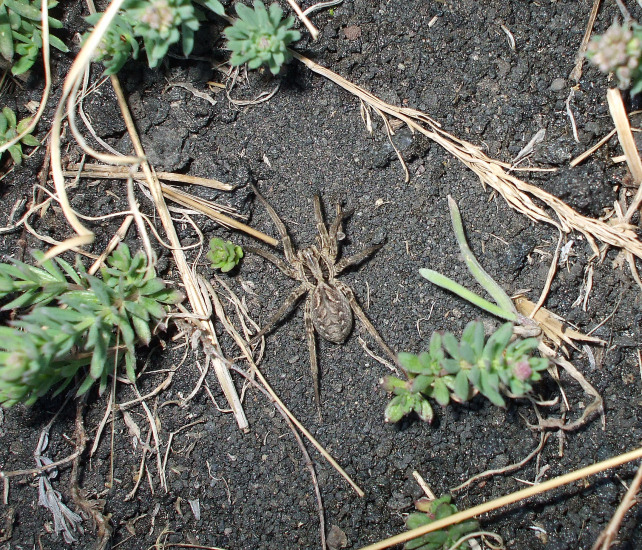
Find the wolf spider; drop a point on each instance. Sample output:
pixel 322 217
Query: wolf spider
pixel 330 302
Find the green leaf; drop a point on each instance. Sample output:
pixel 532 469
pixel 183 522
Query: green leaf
pixel 489 386
pixel 451 366
pixel 16 153
pixel 461 291
pixel 88 382
pixel 451 345
pixel 498 341
pixel 215 6
pixel 423 409
pixel 30 141
pixel 421 383
pixel 484 279
pixel 58 44
pixel 24 9
pixel 397 408
pixel 410 363
pixel 142 329
pixel 10 116
pixel 6 36
pixel 461 387
pixel 24 63
pixel 440 392
pixel 417 519
pixel 187 40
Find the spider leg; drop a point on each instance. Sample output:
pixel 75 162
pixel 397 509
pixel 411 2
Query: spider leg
pixel 288 249
pixel 286 306
pixel 336 231
pixel 321 228
pixel 343 263
pixel 364 319
pixel 274 260
pixel 312 347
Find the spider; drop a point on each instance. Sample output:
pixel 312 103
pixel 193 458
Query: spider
pixel 330 303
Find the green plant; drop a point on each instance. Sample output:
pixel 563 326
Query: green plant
pixel 95 323
pixel 10 128
pixel 159 23
pixel 117 45
pixel 458 370
pixel 224 255
pixel 434 510
pixel 618 51
pixel 261 36
pixel 21 32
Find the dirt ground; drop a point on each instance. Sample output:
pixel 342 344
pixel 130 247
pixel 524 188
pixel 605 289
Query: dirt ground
pixel 452 60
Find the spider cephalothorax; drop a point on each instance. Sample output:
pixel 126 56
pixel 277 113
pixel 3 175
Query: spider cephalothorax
pixel 330 302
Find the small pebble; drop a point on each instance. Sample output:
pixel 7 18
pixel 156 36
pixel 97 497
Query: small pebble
pixel 558 84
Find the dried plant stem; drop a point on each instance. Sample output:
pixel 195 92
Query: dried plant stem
pixel 508 499
pixel 308 461
pixel 625 136
pixel 304 19
pixel 511 468
pixel 44 10
pixel 122 172
pixel 517 193
pixel 92 508
pixel 576 73
pixel 185 199
pixel 605 539
pixel 192 290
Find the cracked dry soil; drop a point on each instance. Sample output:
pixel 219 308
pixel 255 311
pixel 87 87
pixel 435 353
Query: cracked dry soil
pixel 452 60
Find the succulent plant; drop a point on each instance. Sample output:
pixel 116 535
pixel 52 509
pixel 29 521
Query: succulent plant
pixel 10 128
pixel 434 510
pixel 261 36
pixel 458 370
pixel 117 45
pixel 21 33
pixel 224 255
pixel 97 321
pixel 618 51
pixel 160 24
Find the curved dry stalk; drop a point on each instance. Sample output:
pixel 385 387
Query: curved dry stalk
pixel 510 468
pixel 518 194
pixel 69 88
pixel 605 539
pixel 308 24
pixel 192 289
pixel 44 9
pixel 508 499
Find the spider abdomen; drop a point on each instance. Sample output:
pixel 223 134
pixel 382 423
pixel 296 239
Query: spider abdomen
pixel 331 313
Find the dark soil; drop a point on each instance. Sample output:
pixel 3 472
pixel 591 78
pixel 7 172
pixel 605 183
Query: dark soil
pixel 254 490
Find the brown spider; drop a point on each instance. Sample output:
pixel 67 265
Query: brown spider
pixel 330 302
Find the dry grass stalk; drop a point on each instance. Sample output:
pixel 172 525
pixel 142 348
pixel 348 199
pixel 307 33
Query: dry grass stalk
pixel 196 299
pixel 586 154
pixel 44 21
pixel 576 73
pixel 625 136
pixel 508 499
pixel 506 469
pixel 122 172
pixel 206 207
pixel 605 539
pixel 517 193
pixel 304 19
